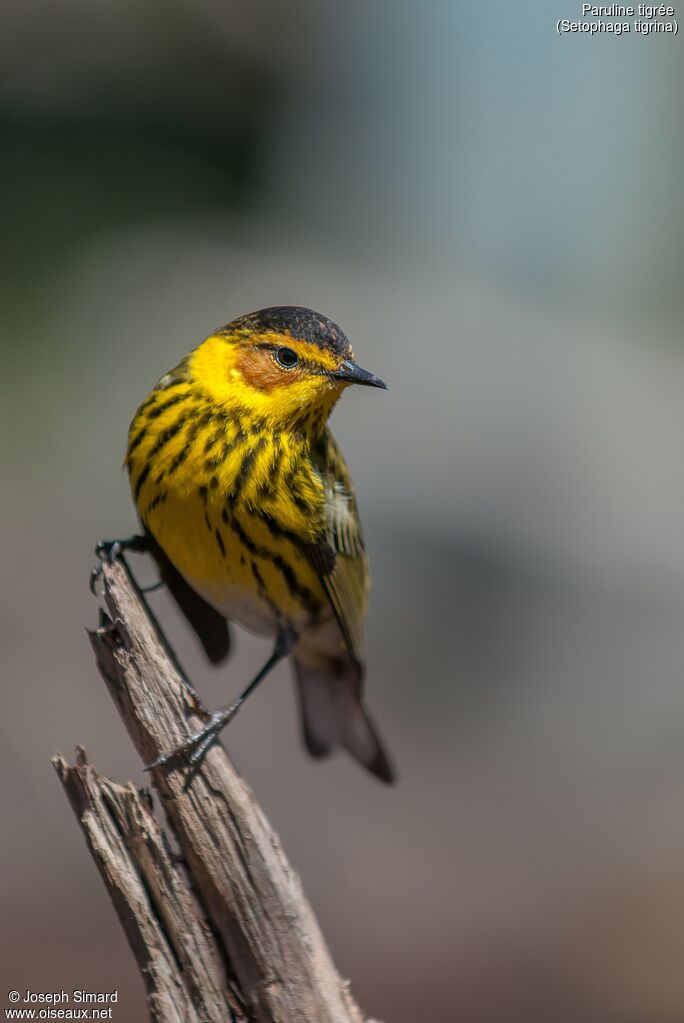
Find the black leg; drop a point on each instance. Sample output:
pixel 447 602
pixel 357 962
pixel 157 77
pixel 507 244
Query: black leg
pixel 110 550
pixel 200 741
pixel 152 587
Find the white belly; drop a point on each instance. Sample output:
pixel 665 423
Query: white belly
pixel 242 606
pixel 319 640
pixel 248 609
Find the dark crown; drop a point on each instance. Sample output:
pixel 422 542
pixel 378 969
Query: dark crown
pixel 295 322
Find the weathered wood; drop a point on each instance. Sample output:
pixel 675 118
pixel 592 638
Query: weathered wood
pixel 177 954
pixel 263 949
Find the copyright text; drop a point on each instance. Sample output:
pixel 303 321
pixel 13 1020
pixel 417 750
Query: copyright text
pixel 76 1004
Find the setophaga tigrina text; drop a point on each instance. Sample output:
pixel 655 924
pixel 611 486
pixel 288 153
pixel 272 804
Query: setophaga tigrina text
pixel 247 505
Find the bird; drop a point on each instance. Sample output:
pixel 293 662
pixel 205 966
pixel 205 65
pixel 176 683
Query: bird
pixel 248 508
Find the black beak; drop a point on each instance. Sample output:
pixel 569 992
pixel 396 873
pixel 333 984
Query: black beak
pixel 350 373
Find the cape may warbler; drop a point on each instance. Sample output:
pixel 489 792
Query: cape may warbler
pixel 247 505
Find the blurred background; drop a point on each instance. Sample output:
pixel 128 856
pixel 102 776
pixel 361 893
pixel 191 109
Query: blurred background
pixel 495 217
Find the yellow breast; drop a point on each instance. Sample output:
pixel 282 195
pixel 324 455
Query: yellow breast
pixel 232 505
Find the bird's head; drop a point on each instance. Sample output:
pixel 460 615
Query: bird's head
pixel 286 364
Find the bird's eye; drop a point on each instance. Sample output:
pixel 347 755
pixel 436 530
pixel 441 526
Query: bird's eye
pixel 286 357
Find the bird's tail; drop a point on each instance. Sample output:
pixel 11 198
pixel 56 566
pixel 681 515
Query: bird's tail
pixel 333 715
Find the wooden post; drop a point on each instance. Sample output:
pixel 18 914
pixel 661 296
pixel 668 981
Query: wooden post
pixel 231 936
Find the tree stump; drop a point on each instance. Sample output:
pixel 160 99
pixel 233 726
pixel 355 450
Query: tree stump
pixel 223 931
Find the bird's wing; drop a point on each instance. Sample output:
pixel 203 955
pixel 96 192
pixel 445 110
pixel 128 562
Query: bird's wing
pixel 339 557
pixel 210 626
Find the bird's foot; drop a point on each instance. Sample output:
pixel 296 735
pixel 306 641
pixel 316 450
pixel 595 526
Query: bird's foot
pixel 197 744
pixel 109 550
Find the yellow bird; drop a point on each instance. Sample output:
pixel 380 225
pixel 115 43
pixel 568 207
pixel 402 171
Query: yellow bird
pixel 247 505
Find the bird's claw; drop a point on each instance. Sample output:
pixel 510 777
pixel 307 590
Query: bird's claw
pixel 105 550
pixel 197 744
pixel 109 551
